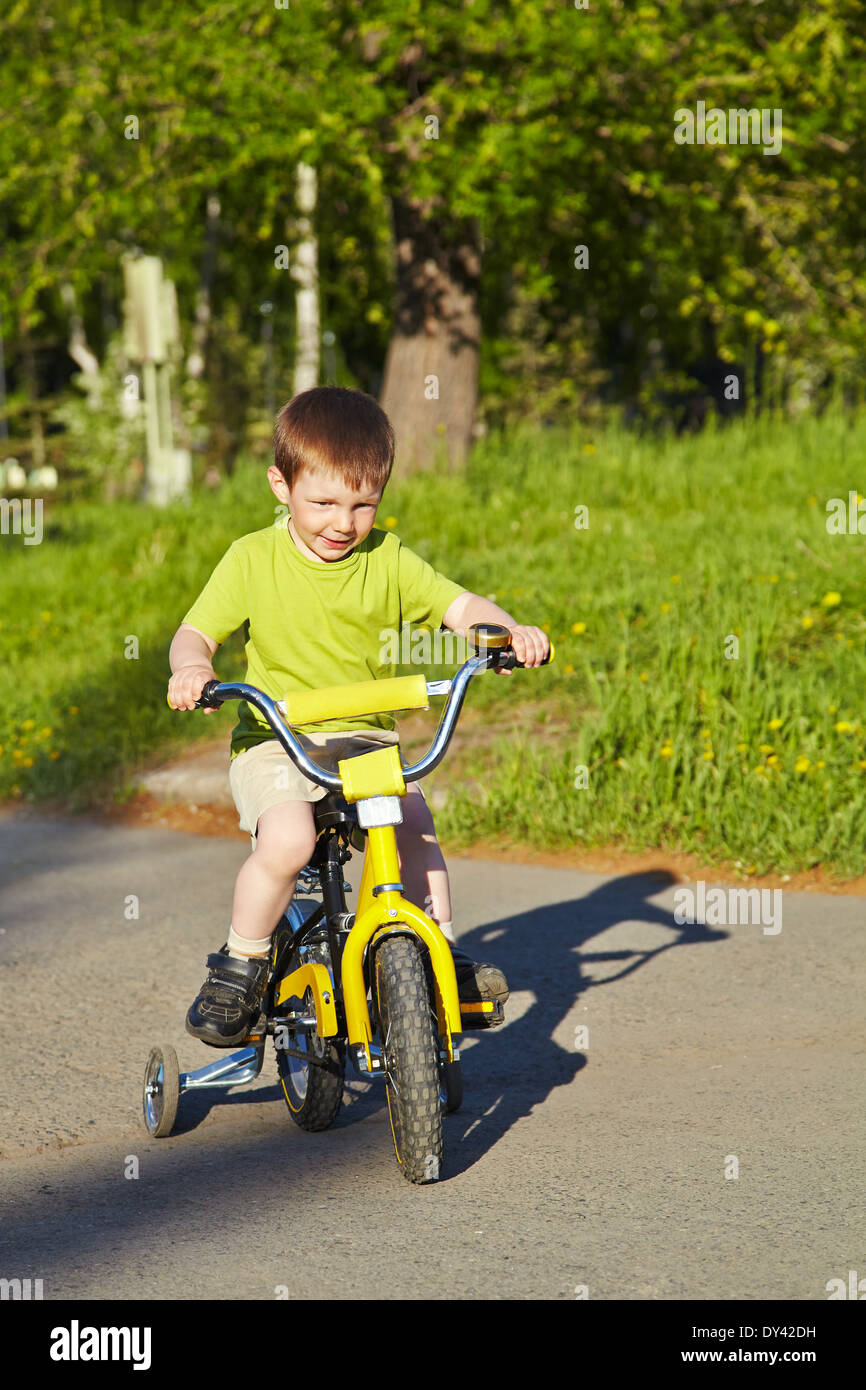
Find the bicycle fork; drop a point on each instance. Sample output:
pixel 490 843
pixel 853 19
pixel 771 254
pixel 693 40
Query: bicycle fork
pixel 382 911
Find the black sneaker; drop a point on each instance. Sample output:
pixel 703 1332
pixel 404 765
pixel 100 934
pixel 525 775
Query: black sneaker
pixel 477 980
pixel 228 1003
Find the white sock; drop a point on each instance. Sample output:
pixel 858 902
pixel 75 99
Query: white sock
pixel 447 930
pixel 241 948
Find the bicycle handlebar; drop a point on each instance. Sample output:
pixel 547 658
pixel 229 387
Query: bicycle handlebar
pixel 215 693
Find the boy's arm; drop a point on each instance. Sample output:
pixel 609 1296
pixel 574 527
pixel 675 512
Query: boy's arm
pixel 190 660
pixel 530 644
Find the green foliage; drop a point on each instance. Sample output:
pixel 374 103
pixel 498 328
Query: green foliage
pixel 555 129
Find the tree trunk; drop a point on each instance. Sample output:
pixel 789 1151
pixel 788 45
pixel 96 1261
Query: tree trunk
pixel 305 273
pixel 430 388
pixel 195 362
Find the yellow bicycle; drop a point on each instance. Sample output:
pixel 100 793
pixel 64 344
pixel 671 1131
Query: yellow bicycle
pixel 377 985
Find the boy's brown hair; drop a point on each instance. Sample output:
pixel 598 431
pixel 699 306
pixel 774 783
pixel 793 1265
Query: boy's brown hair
pixel 337 430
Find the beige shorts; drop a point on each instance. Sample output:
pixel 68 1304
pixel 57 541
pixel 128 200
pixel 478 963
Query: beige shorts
pixel 265 776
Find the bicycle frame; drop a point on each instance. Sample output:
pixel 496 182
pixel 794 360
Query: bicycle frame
pixel 375 781
pixel 382 910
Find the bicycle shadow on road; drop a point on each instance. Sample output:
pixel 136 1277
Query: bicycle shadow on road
pixel 510 1071
pixel 514 1069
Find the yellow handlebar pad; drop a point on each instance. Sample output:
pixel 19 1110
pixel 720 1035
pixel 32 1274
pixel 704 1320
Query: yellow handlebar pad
pixel 365 697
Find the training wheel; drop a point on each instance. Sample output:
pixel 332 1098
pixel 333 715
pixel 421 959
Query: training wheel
pixel 161 1091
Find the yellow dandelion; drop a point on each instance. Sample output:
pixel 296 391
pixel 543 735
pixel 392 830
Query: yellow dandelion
pixel 802 764
pixel 775 724
pixel 675 579
pixel 545 627
pixel 29 724
pixel 765 747
pixel 709 755
pixel 705 733
pixel 830 600
pixel 820 763
pixel 831 709
pixel 760 770
pixel 666 751
pixel 568 670
pixel 390 522
pixel 842 727
pixel 773 760
pixel 862 763
pixel 46 617
pixel 54 756
pixel 807 621
pixel 644 676
pixel 665 607
pixel 589 448
pixel 578 627
pixel 742 747
pixel 73 709
pixel 45 733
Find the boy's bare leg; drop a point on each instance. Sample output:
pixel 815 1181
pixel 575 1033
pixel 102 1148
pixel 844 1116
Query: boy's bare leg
pixel 422 866
pixel 285 840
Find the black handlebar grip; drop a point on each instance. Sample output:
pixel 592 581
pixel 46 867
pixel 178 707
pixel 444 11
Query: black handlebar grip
pixel 506 660
pixel 205 699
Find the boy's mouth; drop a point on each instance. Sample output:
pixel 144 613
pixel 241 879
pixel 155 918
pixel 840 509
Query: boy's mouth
pixel 335 545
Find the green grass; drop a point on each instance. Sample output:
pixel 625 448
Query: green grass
pixel 690 542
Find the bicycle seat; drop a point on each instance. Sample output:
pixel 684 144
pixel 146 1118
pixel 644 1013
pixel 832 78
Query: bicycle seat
pixel 333 809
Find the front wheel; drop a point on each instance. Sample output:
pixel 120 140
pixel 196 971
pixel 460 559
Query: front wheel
pixel 411 1057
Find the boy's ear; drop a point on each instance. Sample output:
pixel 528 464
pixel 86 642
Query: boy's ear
pixel 279 486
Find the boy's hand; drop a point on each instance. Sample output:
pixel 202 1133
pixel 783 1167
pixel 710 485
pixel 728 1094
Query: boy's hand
pixel 187 683
pixel 530 645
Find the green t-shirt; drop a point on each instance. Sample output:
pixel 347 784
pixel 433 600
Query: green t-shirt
pixel 313 624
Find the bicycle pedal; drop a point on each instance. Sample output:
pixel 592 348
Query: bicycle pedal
pixel 487 1013
pixel 257 1034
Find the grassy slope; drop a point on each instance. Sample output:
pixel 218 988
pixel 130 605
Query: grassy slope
pixel 689 542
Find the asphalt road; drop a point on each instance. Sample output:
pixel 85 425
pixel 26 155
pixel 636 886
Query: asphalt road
pixel 578 1163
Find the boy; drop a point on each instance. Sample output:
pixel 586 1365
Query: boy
pixel 317 588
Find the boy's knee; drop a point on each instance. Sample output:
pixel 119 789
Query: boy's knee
pixel 286 840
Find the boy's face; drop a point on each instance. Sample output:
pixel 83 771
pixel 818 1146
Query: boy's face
pixel 327 517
